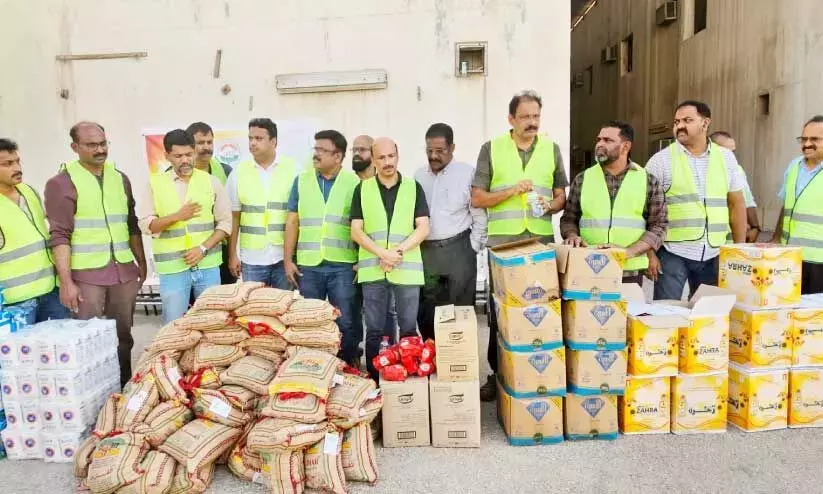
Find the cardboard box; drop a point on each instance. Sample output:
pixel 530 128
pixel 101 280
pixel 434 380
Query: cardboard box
pixel 455 413
pixel 758 398
pixel 594 372
pixel 762 275
pixel 807 331
pixel 646 406
pixel 594 325
pixel 589 273
pixel 406 412
pixel 530 421
pixel 590 416
pixel 524 273
pixel 805 397
pixel 700 403
pixel 530 327
pixel 455 332
pixel 760 337
pixel 652 350
pixel 530 374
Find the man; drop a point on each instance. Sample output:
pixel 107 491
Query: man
pixel 317 227
pixel 704 199
pixel 204 160
pixel 390 219
pixel 26 270
pixel 259 190
pixel 724 139
pixel 801 221
pixel 361 157
pixel 616 202
pixel 457 231
pixel 95 239
pixel 186 211
pixel 508 168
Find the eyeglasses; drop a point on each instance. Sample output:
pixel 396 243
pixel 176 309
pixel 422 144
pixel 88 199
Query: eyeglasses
pixel 436 151
pixel 95 145
pixel 359 150
pixel 322 150
pixel 812 140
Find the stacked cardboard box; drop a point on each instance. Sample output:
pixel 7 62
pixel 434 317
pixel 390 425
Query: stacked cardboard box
pixel 531 356
pixel 806 372
pixel 766 281
pixel 594 320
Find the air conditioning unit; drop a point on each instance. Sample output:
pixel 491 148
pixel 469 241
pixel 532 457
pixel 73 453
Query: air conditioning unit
pixel 608 54
pixel 667 13
pixel 578 80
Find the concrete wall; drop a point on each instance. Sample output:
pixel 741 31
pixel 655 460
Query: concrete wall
pixel 413 40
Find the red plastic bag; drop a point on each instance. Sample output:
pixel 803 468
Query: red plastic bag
pixel 411 346
pixel 428 351
pixel 425 369
pixel 394 372
pixel 385 358
pixel 410 364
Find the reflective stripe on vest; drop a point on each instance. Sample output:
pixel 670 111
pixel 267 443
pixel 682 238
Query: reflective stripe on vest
pixel 690 217
pixel 263 212
pixel 26 270
pixel 216 169
pixel 101 218
pixel 803 214
pixel 179 237
pixel 621 223
pixel 325 226
pixel 513 216
pixel 375 225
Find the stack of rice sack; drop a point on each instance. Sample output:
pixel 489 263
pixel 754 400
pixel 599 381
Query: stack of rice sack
pixel 247 378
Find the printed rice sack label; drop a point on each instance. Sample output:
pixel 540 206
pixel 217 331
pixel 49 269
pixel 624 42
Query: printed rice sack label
pixel 240 397
pixel 210 355
pixel 309 312
pixel 172 337
pixel 204 321
pixel 198 443
pixel 259 325
pixel 186 482
pixel 166 419
pixel 323 336
pixel 226 297
pixel 212 405
pixel 167 374
pixel 271 434
pixel 301 407
pixel 229 336
pixel 276 358
pixel 306 371
pixel 359 462
pixel 273 342
pixel 806 397
pixel 140 396
pixel 324 465
pixel 252 373
pixel 82 459
pixel 116 462
pixel 349 395
pixel 160 469
pixel 285 471
pixel 267 302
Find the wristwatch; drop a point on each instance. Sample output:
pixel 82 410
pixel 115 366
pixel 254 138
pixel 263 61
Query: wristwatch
pixel 203 249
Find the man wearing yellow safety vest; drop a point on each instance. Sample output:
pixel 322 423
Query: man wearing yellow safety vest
pixel 704 196
pixel 724 139
pixel 27 276
pixel 186 212
pixel 801 219
pixel 390 218
pixel 259 190
pixel 318 230
pixel 95 239
pixel 615 202
pixel 515 171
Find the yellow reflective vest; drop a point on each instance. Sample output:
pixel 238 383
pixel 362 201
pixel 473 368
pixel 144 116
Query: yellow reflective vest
pixel 263 212
pixel 803 214
pixel 325 225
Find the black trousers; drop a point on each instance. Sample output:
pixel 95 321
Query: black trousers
pixel 450 271
pixel 812 281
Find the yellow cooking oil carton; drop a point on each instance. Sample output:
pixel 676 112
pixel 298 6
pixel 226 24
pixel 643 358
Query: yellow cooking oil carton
pixel 807 331
pixel 699 403
pixel 805 397
pixel 646 406
pixel 760 337
pixel 762 275
pixel 651 350
pixel 758 398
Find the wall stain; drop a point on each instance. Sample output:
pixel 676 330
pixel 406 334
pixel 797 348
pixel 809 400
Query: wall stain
pixel 227 9
pixel 440 29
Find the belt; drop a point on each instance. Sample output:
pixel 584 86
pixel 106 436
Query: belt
pixel 447 241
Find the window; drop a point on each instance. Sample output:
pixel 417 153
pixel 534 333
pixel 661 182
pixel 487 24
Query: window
pixel 627 55
pixel 470 59
pixel 590 78
pixel 700 14
pixel 763 104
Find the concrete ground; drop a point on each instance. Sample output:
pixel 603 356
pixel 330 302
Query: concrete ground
pixel 788 461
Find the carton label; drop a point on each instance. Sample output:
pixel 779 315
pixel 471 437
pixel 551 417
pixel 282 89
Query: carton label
pixel 597 262
pixel 605 359
pixel 593 405
pixel 405 399
pixel 540 361
pixel 535 314
pixel 602 313
pixel 534 293
pixel 538 409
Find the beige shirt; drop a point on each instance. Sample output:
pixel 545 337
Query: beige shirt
pixel 222 207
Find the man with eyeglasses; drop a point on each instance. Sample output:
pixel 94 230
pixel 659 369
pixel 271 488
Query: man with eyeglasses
pixel 95 239
pixel 457 230
pixel 801 218
pixel 509 167
pixel 318 230
pixel 361 157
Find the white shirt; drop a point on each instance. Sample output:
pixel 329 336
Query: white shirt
pixel 271 254
pixel 448 194
pixel 660 165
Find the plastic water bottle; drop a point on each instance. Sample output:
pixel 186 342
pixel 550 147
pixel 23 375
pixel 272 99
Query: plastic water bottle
pixel 384 345
pixel 537 208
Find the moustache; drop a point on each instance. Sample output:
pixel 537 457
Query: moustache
pixel 531 128
pixel 810 148
pixel 101 155
pixel 682 131
pixel 17 175
pixel 206 152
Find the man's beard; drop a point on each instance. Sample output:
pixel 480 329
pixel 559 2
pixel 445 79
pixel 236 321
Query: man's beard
pixel 360 165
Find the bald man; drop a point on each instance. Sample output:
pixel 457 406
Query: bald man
pixel 389 220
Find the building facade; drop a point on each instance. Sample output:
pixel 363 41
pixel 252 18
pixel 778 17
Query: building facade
pixel 757 63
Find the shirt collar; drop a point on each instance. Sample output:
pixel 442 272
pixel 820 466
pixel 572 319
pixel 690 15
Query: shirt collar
pixel 802 161
pixel 688 153
pixel 399 179
pixel 273 165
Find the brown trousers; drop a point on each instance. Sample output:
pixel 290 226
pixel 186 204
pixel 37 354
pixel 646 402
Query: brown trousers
pixel 113 302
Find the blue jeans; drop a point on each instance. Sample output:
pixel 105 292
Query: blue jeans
pixel 273 275
pixel 377 299
pixel 336 283
pixel 44 307
pixel 675 271
pixel 176 290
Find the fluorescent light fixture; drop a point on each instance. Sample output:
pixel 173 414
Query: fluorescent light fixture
pixel 321 82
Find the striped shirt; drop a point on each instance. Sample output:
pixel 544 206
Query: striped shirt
pixel 660 165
